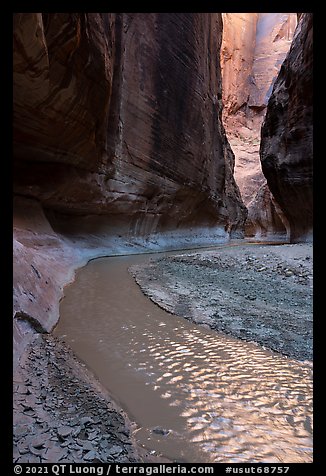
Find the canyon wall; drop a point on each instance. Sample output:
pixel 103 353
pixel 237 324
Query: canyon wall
pixel 253 48
pixel 237 58
pixel 120 115
pixel 287 134
pixel 117 135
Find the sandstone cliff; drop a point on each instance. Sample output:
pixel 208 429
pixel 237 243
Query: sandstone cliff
pixel 120 114
pixel 253 48
pixel 286 146
pixel 237 58
pixel 118 137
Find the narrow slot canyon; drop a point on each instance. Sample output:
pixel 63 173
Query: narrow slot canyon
pixel 163 255
pixel 253 49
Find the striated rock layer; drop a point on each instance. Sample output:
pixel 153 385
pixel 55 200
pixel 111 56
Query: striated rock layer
pixel 120 115
pixel 287 144
pixel 119 146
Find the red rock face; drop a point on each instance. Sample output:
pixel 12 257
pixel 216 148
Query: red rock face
pixel 253 48
pixel 120 115
pixel 286 146
pixel 237 58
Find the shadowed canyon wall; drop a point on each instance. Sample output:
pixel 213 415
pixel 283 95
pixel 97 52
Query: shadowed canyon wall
pixel 117 135
pixel 253 49
pixel 287 134
pixel 120 115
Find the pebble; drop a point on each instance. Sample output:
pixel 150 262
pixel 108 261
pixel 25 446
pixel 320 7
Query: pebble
pixel 76 430
pixel 115 450
pixel 23 450
pixel 35 451
pixel 86 420
pixel 23 389
pixel 92 435
pixel 54 454
pixel 64 431
pixel 104 444
pixel 21 431
pixel 87 445
pixel 160 431
pixel 38 442
pixel 66 443
pixel 90 456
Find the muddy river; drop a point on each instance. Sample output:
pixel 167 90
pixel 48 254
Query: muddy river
pixel 195 395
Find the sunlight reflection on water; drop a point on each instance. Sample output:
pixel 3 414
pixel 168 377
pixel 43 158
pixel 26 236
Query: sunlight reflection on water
pixel 216 398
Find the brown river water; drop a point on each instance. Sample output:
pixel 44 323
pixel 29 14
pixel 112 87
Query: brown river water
pixel 195 395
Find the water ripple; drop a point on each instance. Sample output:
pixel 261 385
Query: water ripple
pixel 216 398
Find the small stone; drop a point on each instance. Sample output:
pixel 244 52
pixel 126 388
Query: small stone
pixel 76 430
pixel 35 451
pixel 104 444
pixel 64 431
pixel 92 435
pixel 66 443
pixel 75 422
pixel 21 431
pixel 114 450
pixel 25 419
pixel 54 454
pixel 160 431
pixel 28 404
pixel 23 389
pixel 73 445
pixel 105 457
pixel 38 442
pixel 23 447
pixel 28 458
pixel 90 456
pixel 97 421
pixel 288 273
pixel 87 445
pixel 86 421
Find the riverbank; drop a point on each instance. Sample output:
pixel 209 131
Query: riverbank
pixel 63 415
pixel 46 257
pixel 194 394
pixel 258 293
